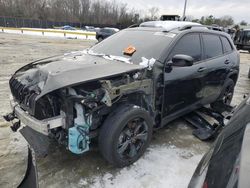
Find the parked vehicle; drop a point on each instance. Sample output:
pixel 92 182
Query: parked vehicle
pixel 67 27
pixel 90 28
pixel 226 164
pixel 118 91
pixel 242 39
pixel 105 33
pixel 170 17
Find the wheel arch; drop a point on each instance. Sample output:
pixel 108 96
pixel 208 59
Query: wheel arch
pixel 109 132
pixel 140 99
pixel 234 77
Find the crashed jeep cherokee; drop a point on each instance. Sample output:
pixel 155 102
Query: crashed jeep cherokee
pixel 124 87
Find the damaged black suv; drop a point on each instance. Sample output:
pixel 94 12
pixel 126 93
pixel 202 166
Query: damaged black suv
pixel 122 88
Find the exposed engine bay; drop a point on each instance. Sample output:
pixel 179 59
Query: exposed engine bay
pixel 75 113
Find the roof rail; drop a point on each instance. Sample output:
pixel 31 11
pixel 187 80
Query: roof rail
pixel 134 25
pixel 204 26
pixel 184 27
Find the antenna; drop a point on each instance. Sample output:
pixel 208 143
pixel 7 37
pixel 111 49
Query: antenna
pixel 184 11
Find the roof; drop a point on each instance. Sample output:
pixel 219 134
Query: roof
pixel 167 25
pixel 176 27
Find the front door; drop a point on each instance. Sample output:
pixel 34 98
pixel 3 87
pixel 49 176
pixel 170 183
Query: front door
pixel 183 84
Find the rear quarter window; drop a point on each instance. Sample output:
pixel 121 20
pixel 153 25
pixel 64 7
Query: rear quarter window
pixel 212 46
pixel 226 45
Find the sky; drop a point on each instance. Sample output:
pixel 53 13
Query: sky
pixel 238 9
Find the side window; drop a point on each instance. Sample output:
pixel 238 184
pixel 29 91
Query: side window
pixel 226 45
pixel 212 46
pixel 248 37
pixel 108 31
pixel 188 45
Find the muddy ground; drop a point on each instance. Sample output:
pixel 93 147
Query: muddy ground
pixel 169 162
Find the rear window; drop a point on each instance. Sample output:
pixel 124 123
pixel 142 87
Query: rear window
pixel 226 45
pixel 212 45
pixel 107 31
pixel 148 44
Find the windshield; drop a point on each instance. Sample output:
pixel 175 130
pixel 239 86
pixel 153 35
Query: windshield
pixel 147 44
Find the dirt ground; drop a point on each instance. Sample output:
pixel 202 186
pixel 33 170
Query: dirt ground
pixel 169 161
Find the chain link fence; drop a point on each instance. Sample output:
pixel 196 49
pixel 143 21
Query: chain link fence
pixel 30 23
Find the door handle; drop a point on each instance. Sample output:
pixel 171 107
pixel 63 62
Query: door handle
pixel 201 69
pixel 227 62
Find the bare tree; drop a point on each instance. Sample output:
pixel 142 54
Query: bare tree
pixel 107 12
pixel 189 18
pixel 243 22
pixel 153 13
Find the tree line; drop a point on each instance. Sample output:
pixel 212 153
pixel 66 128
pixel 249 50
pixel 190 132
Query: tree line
pixel 94 12
pixel 223 21
pixel 83 11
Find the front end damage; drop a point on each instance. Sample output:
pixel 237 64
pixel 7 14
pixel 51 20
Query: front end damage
pixel 73 115
pixel 68 98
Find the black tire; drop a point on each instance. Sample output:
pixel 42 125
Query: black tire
pixel 226 95
pixel 249 73
pixel 100 39
pixel 117 134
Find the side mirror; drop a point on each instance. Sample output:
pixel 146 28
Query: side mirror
pixel 182 60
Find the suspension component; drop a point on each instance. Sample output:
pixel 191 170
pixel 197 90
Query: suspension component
pixel 78 135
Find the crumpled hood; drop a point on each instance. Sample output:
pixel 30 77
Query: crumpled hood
pixel 77 67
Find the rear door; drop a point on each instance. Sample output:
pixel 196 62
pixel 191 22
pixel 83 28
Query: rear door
pixel 183 84
pixel 218 66
pixel 229 52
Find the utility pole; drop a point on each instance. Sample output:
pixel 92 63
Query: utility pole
pixel 184 11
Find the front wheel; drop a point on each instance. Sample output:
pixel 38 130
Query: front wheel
pixel 125 135
pixel 100 39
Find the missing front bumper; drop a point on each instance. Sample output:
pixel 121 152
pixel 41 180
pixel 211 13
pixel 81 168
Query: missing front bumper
pixel 41 126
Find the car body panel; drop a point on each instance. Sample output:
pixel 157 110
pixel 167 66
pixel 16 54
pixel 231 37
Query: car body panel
pixel 83 88
pixel 72 69
pixel 215 78
pixel 245 160
pixel 201 87
pixel 205 88
pixel 183 87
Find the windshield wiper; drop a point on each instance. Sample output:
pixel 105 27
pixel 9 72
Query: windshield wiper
pixel 110 57
pixel 90 52
pixel 118 58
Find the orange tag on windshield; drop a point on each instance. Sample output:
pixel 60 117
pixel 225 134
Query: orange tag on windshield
pixel 130 50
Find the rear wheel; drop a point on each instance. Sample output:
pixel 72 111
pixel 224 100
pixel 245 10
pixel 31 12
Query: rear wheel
pixel 226 94
pixel 125 135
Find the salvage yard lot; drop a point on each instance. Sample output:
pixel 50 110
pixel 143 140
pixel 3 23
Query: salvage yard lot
pixel 169 162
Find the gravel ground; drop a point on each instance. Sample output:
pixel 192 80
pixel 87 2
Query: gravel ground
pixel 169 161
